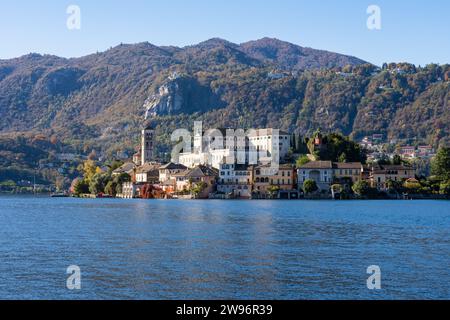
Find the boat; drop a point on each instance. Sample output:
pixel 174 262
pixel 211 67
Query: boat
pixel 59 195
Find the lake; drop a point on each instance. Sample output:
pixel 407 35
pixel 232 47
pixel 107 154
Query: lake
pixel 145 249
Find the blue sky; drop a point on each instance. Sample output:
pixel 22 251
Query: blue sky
pixel 416 31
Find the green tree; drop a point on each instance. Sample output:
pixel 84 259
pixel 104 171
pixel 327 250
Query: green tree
pixel 81 187
pixel 342 158
pixel 412 185
pixel 394 185
pixel 115 165
pixel 89 169
pixel 121 178
pixel 98 183
pixel 361 188
pixel 397 160
pixel 111 188
pixel 337 148
pixel 302 160
pixel 273 191
pixel 337 188
pixel 119 188
pixel 444 188
pixel 198 188
pixel 440 165
pixel 310 186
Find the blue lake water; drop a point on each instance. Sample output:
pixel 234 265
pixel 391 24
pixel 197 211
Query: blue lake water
pixel 223 249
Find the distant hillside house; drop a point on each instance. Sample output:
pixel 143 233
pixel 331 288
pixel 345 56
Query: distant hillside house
pixel 407 152
pixel 67 156
pixel 377 138
pixel 274 75
pixel 425 151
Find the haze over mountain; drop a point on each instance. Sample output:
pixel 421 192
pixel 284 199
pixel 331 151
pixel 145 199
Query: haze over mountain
pixel 99 101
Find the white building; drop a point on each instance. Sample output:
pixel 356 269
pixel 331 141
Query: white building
pixel 235 179
pixel 148 173
pixel 274 143
pixel 129 191
pixel 216 148
pixel 319 171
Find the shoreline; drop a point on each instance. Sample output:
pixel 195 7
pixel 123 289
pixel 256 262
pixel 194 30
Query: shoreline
pixel 21 195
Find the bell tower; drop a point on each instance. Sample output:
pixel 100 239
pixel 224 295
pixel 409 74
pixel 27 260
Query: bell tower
pixel 147 145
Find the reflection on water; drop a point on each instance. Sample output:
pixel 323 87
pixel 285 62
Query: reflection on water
pixel 223 249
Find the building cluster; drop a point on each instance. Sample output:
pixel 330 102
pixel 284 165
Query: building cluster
pixel 377 147
pixel 327 173
pixel 420 152
pixel 206 173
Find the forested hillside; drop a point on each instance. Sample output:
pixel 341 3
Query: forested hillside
pixel 99 102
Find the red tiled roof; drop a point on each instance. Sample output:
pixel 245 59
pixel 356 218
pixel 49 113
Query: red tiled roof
pixel 318 165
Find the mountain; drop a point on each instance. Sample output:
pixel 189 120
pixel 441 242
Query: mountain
pixel 98 102
pixel 288 56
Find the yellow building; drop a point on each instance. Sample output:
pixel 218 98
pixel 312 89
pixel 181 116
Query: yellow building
pixel 266 178
pixel 381 174
pixel 347 172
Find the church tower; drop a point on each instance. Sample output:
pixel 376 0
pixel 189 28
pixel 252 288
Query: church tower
pixel 147 145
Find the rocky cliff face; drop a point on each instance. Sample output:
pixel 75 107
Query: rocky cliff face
pixel 167 101
pixel 181 94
